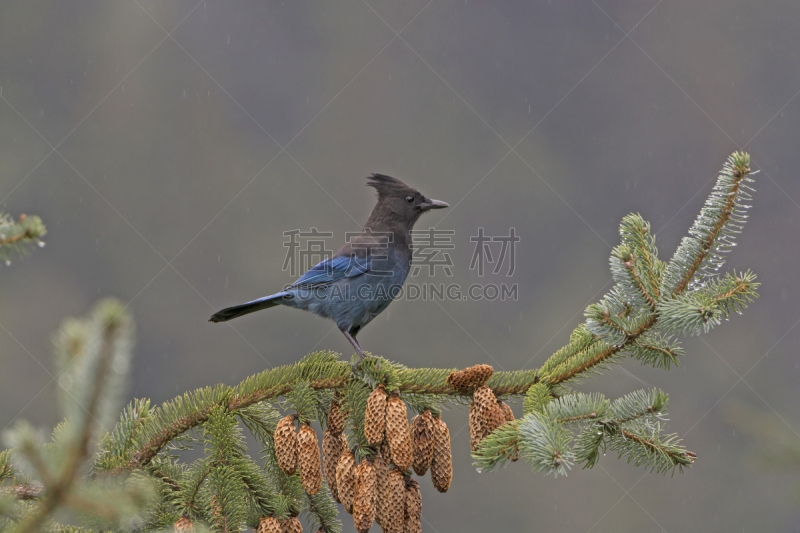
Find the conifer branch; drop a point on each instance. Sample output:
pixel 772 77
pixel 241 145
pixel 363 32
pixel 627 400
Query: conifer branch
pixel 677 458
pixel 503 383
pixel 704 308
pixel 93 354
pixel 191 492
pixel 722 207
pixel 650 302
pixel 323 511
pixel 498 448
pixel 17 236
pixel 7 470
pixel 647 447
pixel 629 264
pixel 668 352
pixel 58 488
pixel 164 478
pixel 603 356
pixel 194 419
pixel 648 252
pixel 537 398
pixel 577 418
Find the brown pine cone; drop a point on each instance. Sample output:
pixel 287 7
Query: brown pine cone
pixel 470 378
pixel 413 508
pixel 508 414
pixel 218 513
pixel 269 524
pixel 335 417
pixel 308 460
pixel 375 416
pixel 184 525
pixel 345 481
pixel 475 427
pixel 292 525
pixel 398 433
pixel 491 415
pixel 382 488
pixel 422 441
pixel 331 450
pixel 395 504
pixel 442 464
pixel 386 453
pixel 364 499
pixel 286 445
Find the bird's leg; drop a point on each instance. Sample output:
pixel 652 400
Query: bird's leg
pixel 354 342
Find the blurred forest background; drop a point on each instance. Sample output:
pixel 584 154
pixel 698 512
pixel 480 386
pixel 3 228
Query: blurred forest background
pixel 169 145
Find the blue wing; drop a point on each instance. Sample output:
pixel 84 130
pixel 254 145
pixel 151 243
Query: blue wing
pixel 334 269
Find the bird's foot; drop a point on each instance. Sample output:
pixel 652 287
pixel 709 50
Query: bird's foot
pixel 361 357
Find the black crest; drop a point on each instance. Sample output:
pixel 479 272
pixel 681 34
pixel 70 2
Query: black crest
pixel 389 186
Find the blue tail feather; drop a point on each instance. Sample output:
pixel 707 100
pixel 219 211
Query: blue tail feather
pixel 249 307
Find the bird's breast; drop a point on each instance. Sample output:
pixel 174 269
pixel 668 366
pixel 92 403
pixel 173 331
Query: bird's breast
pixel 394 266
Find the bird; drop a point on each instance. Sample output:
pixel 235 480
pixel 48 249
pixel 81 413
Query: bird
pixel 361 279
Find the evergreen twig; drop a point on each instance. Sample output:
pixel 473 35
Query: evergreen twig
pixel 58 488
pixel 17 236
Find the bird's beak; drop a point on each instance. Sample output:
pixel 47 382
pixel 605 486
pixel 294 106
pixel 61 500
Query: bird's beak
pixel 434 204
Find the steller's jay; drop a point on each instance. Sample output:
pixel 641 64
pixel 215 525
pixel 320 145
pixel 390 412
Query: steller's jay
pixel 355 284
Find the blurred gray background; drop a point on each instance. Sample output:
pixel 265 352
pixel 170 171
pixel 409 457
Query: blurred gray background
pixel 168 146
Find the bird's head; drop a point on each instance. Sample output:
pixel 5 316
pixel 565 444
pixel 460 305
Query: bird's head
pixel 401 201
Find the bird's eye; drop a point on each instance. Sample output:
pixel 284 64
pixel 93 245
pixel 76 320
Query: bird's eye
pixel 410 199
